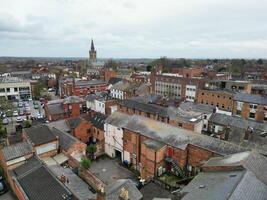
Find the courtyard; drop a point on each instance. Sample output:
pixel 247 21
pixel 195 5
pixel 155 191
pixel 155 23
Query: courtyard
pixel 109 170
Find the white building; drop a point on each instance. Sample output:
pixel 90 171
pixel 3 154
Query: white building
pixel 114 136
pixel 13 88
pixel 190 93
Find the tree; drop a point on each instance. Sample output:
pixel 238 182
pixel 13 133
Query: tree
pixel 91 149
pixel 148 68
pixel 259 61
pixel 38 88
pixel 85 163
pixel 26 124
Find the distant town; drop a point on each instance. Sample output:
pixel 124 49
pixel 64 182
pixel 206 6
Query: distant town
pixel 133 129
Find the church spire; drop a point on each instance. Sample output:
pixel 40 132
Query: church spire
pixel 92 45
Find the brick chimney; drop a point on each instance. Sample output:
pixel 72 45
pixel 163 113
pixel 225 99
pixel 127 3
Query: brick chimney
pixel 248 133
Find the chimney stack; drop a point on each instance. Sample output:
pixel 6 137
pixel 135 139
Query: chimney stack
pixel 248 133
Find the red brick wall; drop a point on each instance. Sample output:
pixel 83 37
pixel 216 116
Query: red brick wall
pixel 216 98
pixel 81 131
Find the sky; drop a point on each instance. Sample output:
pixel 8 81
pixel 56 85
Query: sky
pixel 134 28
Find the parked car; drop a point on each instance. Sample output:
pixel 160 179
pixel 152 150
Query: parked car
pixel 3 186
pixel 5 121
pixel 36 106
pixel 20 104
pixel 30 99
pixel 21 112
pixel 39 116
pixel 15 113
pixel 19 119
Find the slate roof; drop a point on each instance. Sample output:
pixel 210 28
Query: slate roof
pixel 249 182
pixel 153 144
pixel 237 122
pixel 16 150
pixel 74 122
pixel 38 183
pixel 72 99
pixel 217 185
pixel 59 124
pixel 55 108
pixel 114 191
pixel 114 80
pixel 145 107
pixel 250 98
pixel 174 136
pixel 40 134
pixel 98 120
pixel 250 160
pixel 65 139
pixel 76 185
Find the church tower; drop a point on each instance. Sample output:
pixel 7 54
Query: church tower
pixel 92 53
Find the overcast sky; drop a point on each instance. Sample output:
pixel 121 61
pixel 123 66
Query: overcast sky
pixel 134 28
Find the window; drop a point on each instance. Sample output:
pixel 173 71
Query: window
pixel 252 115
pixel 2 90
pixel 180 124
pixel 230 98
pixel 8 90
pixel 253 106
pixel 15 89
pixel 205 116
pixel 238 112
pixel 202 93
pixel 89 130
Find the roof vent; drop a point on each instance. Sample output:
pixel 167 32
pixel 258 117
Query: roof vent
pixel 232 175
pixel 202 186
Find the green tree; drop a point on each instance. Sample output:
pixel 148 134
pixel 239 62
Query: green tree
pixel 85 163
pixel 91 149
pixel 38 89
pixel 259 61
pixel 26 124
pixel 148 68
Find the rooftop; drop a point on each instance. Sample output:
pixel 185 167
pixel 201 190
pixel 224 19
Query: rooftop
pixel 98 120
pixel 152 144
pixel 16 150
pixel 145 107
pixel 38 182
pixel 40 134
pixel 75 184
pixel 115 190
pixel 171 135
pixel 250 98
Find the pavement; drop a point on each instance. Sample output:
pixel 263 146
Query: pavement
pixel 8 196
pixel 109 171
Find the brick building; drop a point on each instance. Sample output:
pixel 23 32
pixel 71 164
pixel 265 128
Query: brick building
pixel 15 155
pixel 246 133
pixel 42 139
pixel 236 176
pixel 222 99
pixel 69 87
pixel 250 106
pixel 176 85
pixel 176 149
pixel 64 108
